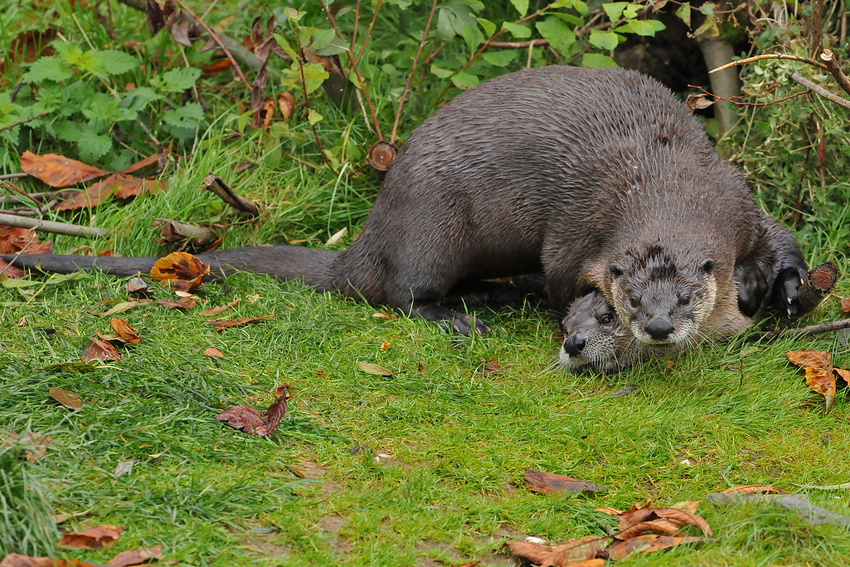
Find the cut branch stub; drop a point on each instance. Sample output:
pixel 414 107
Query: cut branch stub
pixel 215 184
pixel 820 281
pixel 381 155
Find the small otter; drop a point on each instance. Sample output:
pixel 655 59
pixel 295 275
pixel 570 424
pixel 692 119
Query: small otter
pixel 599 178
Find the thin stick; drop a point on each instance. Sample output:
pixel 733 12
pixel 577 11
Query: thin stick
pixel 798 78
pixel 412 70
pixel 818 329
pixel 769 56
pixel 52 227
pixel 539 42
pixel 23 122
pixel 215 184
pixel 216 39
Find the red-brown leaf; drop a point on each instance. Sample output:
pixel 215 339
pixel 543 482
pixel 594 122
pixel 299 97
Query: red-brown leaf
pixel 99 349
pixel 94 538
pixel 58 171
pixel 811 358
pixel 136 556
pixel 547 483
pixel 249 419
pixel 648 543
pixel 125 331
pixel 180 266
pixel 182 303
pixel 221 325
pixel 845 305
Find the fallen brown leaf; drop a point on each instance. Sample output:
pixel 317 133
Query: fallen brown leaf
pixel 586 551
pixel 547 483
pixel 373 369
pixel 99 349
pixel 647 544
pixel 136 556
pixel 182 303
pixel 220 308
pixel 845 305
pixel 58 171
pixel 755 489
pixel 137 286
pixel 249 419
pixel 213 352
pixel 125 331
pixel 14 239
pixel 221 325
pixel 180 266
pixel 68 399
pixel 811 358
pixel 844 374
pixel 94 538
pixel 822 381
pixel 16 560
pixel 635 516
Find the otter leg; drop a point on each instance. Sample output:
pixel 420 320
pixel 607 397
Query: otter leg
pixel 446 318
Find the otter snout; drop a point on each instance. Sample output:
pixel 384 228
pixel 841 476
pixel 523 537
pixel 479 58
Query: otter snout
pixel 575 343
pixel 659 328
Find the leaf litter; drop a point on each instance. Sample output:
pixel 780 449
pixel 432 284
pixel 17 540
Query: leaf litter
pixel 248 419
pixel 820 374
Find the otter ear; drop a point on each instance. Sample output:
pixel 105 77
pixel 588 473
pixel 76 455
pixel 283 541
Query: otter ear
pixel 616 270
pixel 707 266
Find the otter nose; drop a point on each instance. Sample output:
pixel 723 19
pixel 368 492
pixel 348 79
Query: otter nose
pixel 659 329
pixel 574 344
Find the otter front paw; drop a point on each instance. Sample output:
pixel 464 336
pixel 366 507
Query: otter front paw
pixel 786 291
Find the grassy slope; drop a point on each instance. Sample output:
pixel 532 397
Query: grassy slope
pixel 457 440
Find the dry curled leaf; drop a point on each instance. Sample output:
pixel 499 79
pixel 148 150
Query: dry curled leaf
pixel 811 358
pixel 137 286
pixel 587 551
pixel 180 266
pixel 755 489
pixel 547 483
pixel 819 372
pixel 125 331
pixel 373 369
pixel 221 325
pixel 637 516
pixel 647 544
pixel 249 419
pixel 16 560
pixel 68 399
pixel 14 239
pixel 845 304
pixel 136 556
pixel 94 538
pixel 99 349
pixel 182 303
pixel 58 171
pixel 213 352
pixel 220 308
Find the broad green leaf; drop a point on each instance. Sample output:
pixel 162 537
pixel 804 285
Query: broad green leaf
pixel 464 80
pixel 614 10
pixel 519 31
pixel 137 99
pixel 473 37
pixel 597 61
pixel 314 117
pixel 445 32
pixel 558 33
pixel 47 69
pixel 176 80
pixel 641 27
pixel 292 14
pixel 441 72
pixel 521 7
pixel 684 13
pixel 92 146
pixel 68 52
pixel 322 37
pixel 707 9
pixel 284 44
pixel 569 18
pixel 500 58
pixel 115 62
pixel 488 26
pixel 326 43
pixel 603 39
pixel 314 75
pixel 186 116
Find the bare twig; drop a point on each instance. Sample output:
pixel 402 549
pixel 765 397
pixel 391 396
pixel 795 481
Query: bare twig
pixel 833 67
pixel 52 227
pixel 736 100
pixel 412 70
pixel 23 122
pixel 539 42
pixel 810 330
pixel 13 175
pixel 218 41
pixel 798 78
pixel 770 56
pixel 215 184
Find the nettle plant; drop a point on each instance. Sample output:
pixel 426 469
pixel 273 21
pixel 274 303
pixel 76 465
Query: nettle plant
pixel 81 101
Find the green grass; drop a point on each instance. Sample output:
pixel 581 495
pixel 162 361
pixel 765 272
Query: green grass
pixel 456 440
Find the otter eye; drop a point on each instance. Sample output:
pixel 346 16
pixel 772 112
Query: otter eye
pixel 634 301
pixel 685 300
pixel 605 319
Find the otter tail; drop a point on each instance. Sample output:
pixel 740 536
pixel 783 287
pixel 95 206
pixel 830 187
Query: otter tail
pixel 311 265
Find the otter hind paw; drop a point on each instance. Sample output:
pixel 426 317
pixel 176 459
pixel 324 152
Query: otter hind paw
pixel 786 292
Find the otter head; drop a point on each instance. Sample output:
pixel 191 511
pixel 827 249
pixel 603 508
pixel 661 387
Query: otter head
pixel 595 338
pixel 661 301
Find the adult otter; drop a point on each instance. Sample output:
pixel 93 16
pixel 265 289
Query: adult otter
pixel 598 177
pixel 594 339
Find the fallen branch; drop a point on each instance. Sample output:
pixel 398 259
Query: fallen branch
pixel 215 184
pixel 52 227
pixel 798 78
pixel 810 330
pixel 770 56
pixel 174 232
